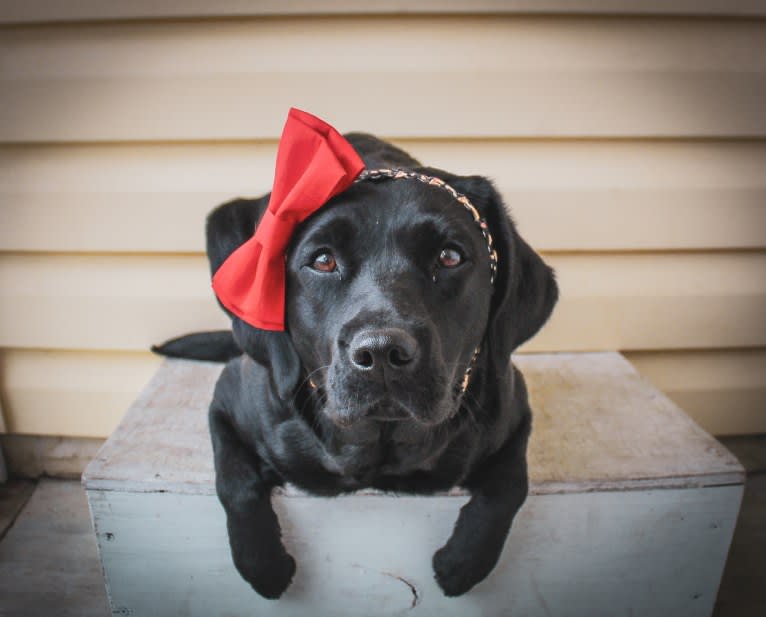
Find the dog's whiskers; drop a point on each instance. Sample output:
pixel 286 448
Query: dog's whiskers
pixel 316 396
pixel 472 408
pixel 308 380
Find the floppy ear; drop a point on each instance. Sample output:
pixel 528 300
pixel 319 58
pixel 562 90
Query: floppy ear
pixel 525 287
pixel 229 226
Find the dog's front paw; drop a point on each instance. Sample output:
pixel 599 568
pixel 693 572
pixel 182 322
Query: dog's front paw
pixel 268 573
pixel 456 572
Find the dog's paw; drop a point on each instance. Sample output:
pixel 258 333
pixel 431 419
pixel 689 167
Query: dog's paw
pixel 455 572
pixel 269 576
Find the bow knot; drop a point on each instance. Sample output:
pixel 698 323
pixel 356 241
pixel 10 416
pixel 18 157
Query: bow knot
pixel 314 164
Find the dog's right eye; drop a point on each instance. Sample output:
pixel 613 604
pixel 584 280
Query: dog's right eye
pixel 450 258
pixel 324 262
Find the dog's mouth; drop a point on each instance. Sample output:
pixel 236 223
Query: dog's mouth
pixel 387 411
pixel 383 411
pixel 346 406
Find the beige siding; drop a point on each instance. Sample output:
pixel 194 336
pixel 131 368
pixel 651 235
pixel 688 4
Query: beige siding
pixel 724 390
pixel 86 393
pixel 614 301
pixel 441 77
pixel 20 11
pixel 566 195
pixel 70 393
pixel 631 151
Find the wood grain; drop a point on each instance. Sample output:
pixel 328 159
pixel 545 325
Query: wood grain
pixel 650 553
pixel 598 426
pixel 603 443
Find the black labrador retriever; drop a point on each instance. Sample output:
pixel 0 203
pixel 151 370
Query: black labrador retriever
pixel 394 372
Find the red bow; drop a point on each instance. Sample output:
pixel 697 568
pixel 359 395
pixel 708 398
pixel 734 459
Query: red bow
pixel 314 163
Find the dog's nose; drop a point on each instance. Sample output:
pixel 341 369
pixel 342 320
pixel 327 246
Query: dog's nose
pixel 384 349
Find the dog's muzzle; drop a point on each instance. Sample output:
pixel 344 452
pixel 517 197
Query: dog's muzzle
pixel 382 353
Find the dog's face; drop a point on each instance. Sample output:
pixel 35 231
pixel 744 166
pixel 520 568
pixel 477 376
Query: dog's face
pixel 388 297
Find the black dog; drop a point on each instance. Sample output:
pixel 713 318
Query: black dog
pixel 388 300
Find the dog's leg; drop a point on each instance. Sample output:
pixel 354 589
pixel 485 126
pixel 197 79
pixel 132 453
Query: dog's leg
pixel 498 489
pixel 245 492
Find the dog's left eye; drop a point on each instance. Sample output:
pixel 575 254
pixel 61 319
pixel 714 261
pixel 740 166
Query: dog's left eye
pixel 324 262
pixel 450 258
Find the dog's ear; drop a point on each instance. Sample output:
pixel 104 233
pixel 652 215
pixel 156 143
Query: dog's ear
pixel 228 227
pixel 525 287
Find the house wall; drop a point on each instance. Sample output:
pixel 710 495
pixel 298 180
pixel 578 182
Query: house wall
pixel 629 143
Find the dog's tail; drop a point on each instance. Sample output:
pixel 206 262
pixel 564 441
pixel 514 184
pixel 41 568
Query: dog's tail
pixel 215 346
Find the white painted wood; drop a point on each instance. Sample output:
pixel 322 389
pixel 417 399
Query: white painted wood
pixel 597 426
pixel 631 512
pixel 649 553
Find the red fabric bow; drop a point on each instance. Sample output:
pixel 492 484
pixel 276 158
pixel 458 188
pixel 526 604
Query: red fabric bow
pixel 314 163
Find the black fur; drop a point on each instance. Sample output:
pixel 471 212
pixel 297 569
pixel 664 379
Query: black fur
pixel 386 339
pixel 216 346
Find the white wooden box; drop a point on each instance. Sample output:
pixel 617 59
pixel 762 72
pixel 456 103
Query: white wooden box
pixel 631 512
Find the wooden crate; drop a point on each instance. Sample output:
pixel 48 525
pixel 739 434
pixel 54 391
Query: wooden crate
pixel 631 512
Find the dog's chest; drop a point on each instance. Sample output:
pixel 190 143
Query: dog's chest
pixel 369 452
pixel 393 456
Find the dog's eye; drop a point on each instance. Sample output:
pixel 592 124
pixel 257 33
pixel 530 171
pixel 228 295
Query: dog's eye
pixel 450 258
pixel 324 262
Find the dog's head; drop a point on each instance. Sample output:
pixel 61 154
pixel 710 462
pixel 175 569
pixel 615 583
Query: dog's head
pixel 389 295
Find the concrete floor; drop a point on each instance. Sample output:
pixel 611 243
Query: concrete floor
pixel 49 560
pixel 743 587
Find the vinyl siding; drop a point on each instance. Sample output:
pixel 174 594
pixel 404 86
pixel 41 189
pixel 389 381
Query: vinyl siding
pixel 440 76
pixel 25 11
pixel 630 149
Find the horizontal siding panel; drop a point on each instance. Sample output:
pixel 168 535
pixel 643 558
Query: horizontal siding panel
pixel 657 301
pixel 533 105
pixel 234 80
pixel 582 195
pixel 105 303
pixel 408 44
pixel 79 393
pixel 24 11
pixel 724 391
pixel 71 393
pixel 633 301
